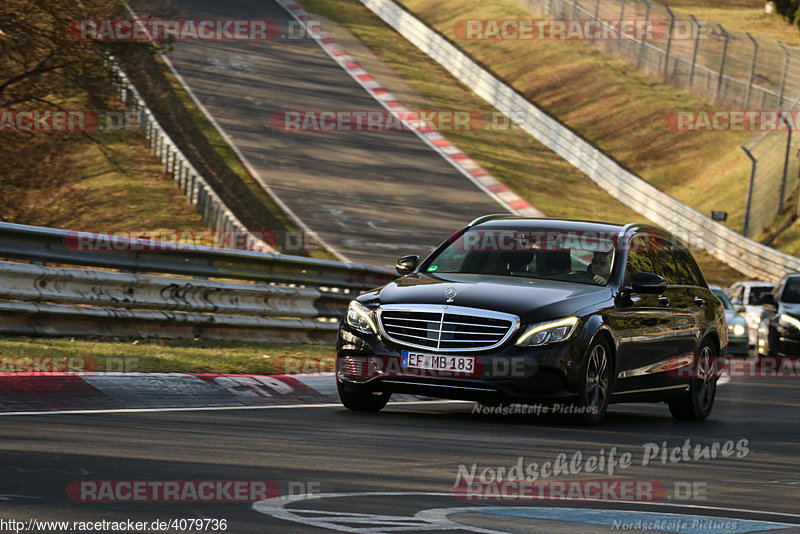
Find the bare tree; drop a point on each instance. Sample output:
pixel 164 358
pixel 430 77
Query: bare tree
pixel 41 62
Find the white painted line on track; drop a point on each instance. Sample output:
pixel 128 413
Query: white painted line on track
pixel 216 408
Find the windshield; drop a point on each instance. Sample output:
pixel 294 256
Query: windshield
pixel 529 253
pixel 791 293
pixel 726 302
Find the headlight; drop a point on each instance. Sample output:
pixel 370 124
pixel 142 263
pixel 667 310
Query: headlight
pixel 737 330
pixel 549 332
pixel 359 317
pixel 788 320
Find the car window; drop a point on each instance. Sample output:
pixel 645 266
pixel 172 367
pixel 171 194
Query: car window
pixel 550 254
pixel 726 303
pixel 791 292
pixel 686 269
pixel 663 260
pixel 639 259
pixel 756 292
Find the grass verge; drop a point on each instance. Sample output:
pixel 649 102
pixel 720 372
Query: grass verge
pixel 169 356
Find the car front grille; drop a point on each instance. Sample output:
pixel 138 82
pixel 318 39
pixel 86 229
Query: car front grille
pixel 446 328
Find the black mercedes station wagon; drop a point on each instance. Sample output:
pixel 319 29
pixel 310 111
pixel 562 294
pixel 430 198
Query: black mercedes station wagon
pixel 520 310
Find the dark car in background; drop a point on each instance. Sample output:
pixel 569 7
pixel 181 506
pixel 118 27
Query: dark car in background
pixel 779 328
pixel 738 335
pixel 522 310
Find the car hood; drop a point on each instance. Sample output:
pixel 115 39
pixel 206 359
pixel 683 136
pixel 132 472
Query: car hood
pixel 531 299
pixel 790 308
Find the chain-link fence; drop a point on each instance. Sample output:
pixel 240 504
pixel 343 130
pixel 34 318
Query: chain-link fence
pixel 723 66
pixel 720 65
pixel 774 176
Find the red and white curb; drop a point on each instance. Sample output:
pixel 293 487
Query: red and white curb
pixel 450 152
pixel 102 391
pixel 37 393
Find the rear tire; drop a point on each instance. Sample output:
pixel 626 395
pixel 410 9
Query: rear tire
pixel 595 384
pixel 362 401
pixel 696 404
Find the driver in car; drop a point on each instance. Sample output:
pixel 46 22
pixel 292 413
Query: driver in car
pixel 600 268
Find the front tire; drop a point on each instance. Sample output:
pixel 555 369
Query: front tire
pixel 696 404
pixel 362 401
pixel 595 384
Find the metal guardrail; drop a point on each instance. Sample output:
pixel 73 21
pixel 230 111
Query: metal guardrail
pixel 744 255
pixel 198 191
pixel 289 298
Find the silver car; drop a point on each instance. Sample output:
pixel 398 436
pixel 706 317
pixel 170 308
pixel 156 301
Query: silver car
pixel 746 297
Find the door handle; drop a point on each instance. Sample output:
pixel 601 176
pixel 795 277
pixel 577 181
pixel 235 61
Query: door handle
pixel 663 300
pixel 699 302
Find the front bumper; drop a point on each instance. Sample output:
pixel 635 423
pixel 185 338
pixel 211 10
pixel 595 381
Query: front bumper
pixel 504 375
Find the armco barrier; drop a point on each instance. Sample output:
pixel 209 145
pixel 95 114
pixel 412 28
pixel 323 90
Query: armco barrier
pixel 198 191
pixel 288 298
pixel 744 255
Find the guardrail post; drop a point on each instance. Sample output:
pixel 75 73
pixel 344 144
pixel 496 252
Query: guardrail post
pixel 644 41
pixel 694 52
pixel 752 71
pixel 574 8
pixel 597 10
pixel 722 62
pixel 785 163
pixel 785 72
pixel 669 38
pixel 749 192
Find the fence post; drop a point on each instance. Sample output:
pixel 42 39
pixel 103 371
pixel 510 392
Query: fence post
pixel 785 72
pixel 646 22
pixel 669 38
pixel 574 8
pixel 597 10
pixel 722 62
pixel 694 53
pixel 749 192
pixel 785 163
pixel 752 71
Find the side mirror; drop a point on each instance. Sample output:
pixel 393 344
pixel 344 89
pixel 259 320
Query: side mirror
pixel 648 283
pixel 406 264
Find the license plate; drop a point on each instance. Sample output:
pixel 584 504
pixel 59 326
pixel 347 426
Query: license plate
pixel 437 362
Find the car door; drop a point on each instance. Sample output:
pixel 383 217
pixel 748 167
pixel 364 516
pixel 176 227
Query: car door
pixel 643 321
pixel 689 306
